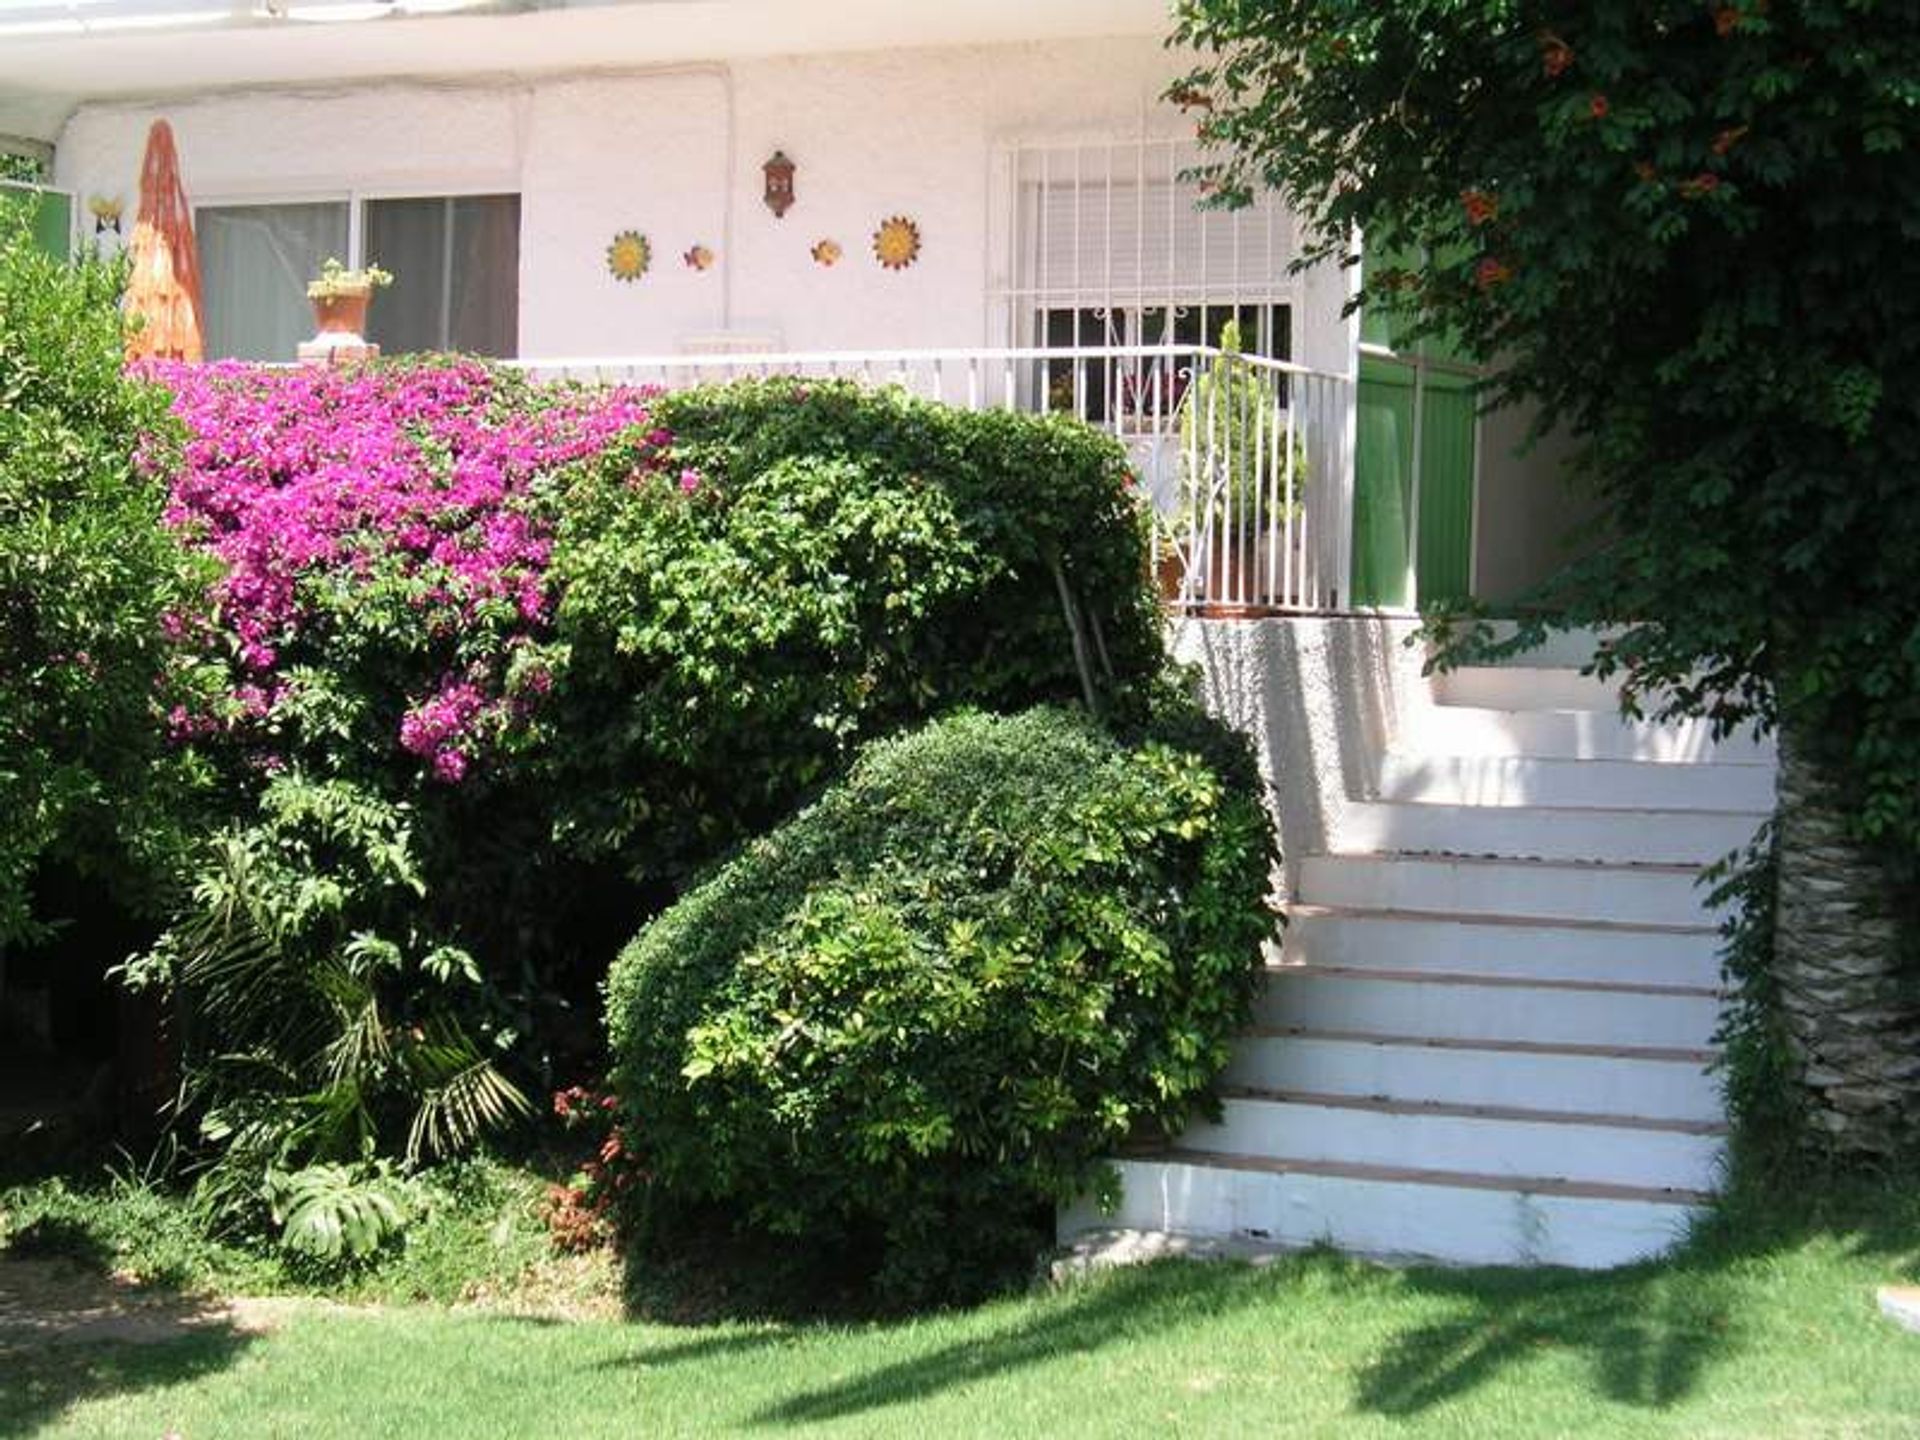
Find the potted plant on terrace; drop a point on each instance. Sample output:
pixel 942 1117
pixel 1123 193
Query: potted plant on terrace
pixel 341 296
pixel 1240 490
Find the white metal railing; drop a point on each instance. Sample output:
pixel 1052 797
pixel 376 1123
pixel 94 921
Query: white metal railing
pixel 1247 462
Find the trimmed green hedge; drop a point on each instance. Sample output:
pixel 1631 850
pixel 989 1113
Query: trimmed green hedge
pixel 909 1021
pixel 817 566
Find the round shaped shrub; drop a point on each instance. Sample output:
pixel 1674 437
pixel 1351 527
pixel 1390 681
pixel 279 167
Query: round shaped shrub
pixel 906 1023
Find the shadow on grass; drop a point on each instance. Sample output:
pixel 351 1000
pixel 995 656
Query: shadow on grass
pixel 1650 1333
pixel 42 1383
pixel 1127 1305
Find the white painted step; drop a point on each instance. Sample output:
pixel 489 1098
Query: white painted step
pixel 1449 1007
pixel 1532 889
pixel 1457 1219
pixel 1657 1084
pixel 1597 784
pixel 1484 1140
pixel 1525 687
pixel 1501 947
pixel 1558 649
pixel 1575 735
pixel 1691 837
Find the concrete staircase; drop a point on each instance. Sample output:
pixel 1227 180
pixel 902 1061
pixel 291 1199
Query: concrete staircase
pixel 1485 1037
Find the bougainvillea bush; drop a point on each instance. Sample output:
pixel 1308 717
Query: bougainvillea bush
pixel 349 936
pixel 900 1028
pixel 500 664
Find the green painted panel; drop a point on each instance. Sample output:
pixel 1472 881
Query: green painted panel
pixel 1382 482
pixel 49 212
pixel 1445 550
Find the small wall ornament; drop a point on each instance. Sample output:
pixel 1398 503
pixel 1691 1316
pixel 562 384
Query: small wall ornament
pixel 699 257
pixel 896 244
pixel 106 210
pixel 826 252
pixel 779 175
pixel 629 256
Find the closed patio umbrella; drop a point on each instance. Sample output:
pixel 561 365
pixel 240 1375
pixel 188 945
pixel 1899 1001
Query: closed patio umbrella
pixel 163 288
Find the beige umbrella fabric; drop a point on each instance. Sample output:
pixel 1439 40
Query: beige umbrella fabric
pixel 163 286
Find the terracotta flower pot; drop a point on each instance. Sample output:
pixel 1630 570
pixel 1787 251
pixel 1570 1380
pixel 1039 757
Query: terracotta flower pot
pixel 344 313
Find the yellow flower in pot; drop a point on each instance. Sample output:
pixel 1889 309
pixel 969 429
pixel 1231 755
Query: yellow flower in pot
pixel 341 296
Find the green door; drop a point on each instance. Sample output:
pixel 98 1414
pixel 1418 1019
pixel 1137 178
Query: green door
pixel 49 215
pixel 1413 474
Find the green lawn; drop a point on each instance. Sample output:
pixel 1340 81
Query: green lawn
pixel 1774 1337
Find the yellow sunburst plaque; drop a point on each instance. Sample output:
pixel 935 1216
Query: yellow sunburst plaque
pixel 629 255
pixel 896 244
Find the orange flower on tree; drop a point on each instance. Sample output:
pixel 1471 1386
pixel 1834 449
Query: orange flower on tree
pixel 1705 183
pixel 1726 20
pixel 1491 272
pixel 1480 206
pixel 1727 139
pixel 1555 54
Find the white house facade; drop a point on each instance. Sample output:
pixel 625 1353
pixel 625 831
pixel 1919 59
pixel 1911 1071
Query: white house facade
pixel 1486 1034
pixel 1023 154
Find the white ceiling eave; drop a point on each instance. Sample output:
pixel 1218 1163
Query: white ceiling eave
pixel 163 48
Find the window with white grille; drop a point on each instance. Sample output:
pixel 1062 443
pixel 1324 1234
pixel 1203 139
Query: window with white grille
pixel 1107 246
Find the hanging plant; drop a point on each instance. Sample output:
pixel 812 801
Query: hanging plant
pixel 629 256
pixel 896 244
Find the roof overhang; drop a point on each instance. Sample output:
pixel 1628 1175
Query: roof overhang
pixel 56 54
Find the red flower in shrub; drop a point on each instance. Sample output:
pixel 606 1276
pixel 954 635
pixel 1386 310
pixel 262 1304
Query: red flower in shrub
pixel 1555 54
pixel 1705 183
pixel 1727 139
pixel 1726 20
pixel 1598 107
pixel 1480 206
pixel 1491 272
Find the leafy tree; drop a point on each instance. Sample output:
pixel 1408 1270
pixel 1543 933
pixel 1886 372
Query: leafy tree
pixel 1688 233
pixel 88 577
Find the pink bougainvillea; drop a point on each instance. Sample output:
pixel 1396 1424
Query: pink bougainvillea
pixel 323 490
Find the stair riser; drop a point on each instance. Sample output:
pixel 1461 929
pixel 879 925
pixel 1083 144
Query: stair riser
pixel 1539 952
pixel 1619 836
pixel 1574 735
pixel 1456 1225
pixel 1608 1154
pixel 1524 687
pixel 1600 784
pixel 1440 1011
pixel 1655 1089
pixel 1567 892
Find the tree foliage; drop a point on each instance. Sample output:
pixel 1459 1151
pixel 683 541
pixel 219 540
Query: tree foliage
pixel 1689 233
pixel 88 579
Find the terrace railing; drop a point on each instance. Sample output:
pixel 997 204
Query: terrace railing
pixel 1247 462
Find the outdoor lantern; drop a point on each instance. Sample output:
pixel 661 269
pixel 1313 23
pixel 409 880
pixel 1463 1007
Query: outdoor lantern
pixel 779 173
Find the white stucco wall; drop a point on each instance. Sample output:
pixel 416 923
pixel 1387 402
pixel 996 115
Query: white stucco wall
pixel 912 132
pixel 1532 516
pixel 1321 699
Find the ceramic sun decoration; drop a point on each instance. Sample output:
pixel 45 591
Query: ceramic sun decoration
pixel 629 256
pixel 826 252
pixel 896 244
pixel 699 257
